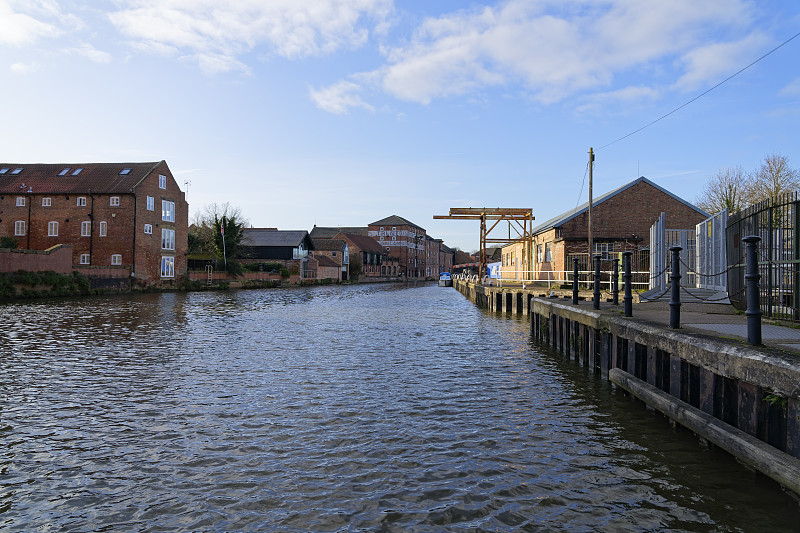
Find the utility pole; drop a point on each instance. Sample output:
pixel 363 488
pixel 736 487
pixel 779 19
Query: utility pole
pixel 591 241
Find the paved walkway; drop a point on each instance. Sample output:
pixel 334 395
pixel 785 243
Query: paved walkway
pixel 719 320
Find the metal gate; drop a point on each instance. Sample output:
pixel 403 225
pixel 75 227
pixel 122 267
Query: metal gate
pixel 661 240
pixel 712 260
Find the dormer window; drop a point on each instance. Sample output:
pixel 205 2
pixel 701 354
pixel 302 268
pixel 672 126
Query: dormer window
pixel 64 172
pixel 124 171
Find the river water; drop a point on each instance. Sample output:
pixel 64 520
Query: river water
pixel 341 408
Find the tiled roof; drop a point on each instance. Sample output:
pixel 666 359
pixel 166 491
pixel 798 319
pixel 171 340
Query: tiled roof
pixel 364 243
pixel 395 220
pixel 561 219
pixel 272 237
pixel 329 245
pixel 325 261
pixel 322 232
pixel 92 177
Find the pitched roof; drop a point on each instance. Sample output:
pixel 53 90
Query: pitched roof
pixel 395 220
pixel 561 219
pixel 78 178
pixel 323 232
pixel 325 261
pixel 364 243
pixel 329 245
pixel 272 237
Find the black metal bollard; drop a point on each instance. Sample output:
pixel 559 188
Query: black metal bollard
pixel 574 281
pixel 627 276
pixel 752 277
pixel 675 297
pixel 615 283
pixel 597 282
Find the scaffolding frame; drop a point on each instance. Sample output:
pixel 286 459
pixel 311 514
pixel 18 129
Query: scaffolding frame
pixel 519 219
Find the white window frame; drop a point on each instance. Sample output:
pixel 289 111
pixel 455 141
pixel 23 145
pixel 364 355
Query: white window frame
pixel 85 259
pixel 19 228
pixel 167 266
pixel 167 239
pixel 548 252
pixel 148 229
pixel 103 228
pixel 116 259
pixel 151 203
pixel 167 211
pixel 113 201
pixel 20 201
pixel 47 202
pixel 81 201
pixel 52 229
pixel 86 228
pixel 162 181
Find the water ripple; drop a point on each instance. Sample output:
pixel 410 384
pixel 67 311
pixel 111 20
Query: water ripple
pixel 362 408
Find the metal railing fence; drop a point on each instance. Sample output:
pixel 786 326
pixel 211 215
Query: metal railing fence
pixel 776 222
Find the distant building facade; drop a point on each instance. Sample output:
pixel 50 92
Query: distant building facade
pixel 405 241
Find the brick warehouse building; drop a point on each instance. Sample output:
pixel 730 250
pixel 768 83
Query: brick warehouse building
pixel 621 221
pixel 131 218
pixel 404 240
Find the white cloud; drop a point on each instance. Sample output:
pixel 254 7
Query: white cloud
pixel 627 96
pixel 92 53
pixel 792 89
pixel 24 68
pixel 215 33
pixel 20 28
pixel 717 61
pixel 559 48
pixel 340 97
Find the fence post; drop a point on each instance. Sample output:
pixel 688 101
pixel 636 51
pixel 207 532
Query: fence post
pixel 675 298
pixel 574 281
pixel 597 281
pixel 752 277
pixel 615 283
pixel 628 298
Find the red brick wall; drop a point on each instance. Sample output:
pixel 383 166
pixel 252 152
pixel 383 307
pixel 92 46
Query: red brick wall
pixel 148 247
pixel 57 259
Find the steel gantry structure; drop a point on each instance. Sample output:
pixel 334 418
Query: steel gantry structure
pixel 519 219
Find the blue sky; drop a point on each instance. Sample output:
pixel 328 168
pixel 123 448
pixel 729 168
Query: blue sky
pixel 342 112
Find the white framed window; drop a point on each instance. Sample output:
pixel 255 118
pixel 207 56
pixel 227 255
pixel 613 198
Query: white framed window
pixel 167 267
pixel 113 201
pixel 19 227
pixel 52 229
pixel 548 251
pixel 20 201
pixel 116 259
pixel 151 203
pixel 162 181
pixel 539 253
pixel 85 259
pixel 167 211
pixel 167 239
pixel 148 228
pixel 103 228
pixel 86 228
pixel 81 201
pixel 47 202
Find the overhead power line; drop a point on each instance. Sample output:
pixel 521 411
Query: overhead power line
pixel 787 41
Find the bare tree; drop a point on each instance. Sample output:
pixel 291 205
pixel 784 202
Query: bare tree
pixel 727 189
pixel 773 178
